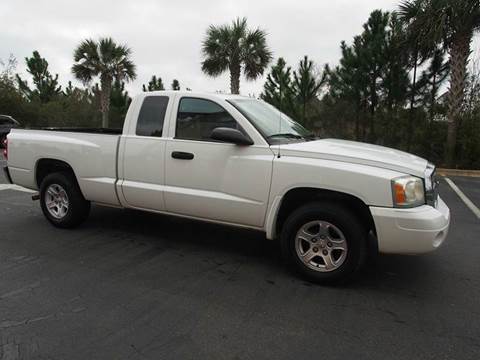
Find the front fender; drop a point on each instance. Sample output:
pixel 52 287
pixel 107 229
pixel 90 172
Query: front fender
pixel 369 184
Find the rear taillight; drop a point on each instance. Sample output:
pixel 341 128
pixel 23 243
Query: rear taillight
pixel 5 148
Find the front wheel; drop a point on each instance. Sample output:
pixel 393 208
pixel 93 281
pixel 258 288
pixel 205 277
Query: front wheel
pixel 62 201
pixel 325 242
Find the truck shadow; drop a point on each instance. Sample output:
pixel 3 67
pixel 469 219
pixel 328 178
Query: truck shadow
pixel 190 238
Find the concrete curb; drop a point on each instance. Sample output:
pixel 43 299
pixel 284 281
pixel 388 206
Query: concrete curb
pixel 458 172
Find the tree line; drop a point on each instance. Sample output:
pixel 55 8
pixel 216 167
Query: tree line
pixel 388 87
pixel 44 102
pixel 404 81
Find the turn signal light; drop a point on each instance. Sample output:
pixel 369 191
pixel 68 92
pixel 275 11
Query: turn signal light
pixel 399 193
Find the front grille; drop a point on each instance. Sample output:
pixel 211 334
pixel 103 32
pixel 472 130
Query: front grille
pixel 431 185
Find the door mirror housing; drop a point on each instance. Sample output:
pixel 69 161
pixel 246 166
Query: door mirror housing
pixel 230 135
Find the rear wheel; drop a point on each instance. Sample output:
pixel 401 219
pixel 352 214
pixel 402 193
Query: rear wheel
pixel 62 201
pixel 325 242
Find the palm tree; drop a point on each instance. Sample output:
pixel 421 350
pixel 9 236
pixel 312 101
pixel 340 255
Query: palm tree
pixel 107 60
pixel 234 47
pixel 452 24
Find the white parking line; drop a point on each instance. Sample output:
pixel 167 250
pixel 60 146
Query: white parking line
pixel 464 198
pixel 15 187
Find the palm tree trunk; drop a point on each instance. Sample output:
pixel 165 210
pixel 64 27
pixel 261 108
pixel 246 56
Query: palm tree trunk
pixel 235 78
pixel 459 54
pixel 105 100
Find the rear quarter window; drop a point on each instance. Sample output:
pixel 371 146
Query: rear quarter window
pixel 152 116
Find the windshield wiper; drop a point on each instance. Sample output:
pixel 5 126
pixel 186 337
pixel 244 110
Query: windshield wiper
pixel 308 137
pixel 285 135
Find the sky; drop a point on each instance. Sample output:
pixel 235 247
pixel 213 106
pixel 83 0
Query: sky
pixel 166 36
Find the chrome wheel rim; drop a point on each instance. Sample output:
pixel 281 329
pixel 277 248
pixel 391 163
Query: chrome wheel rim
pixel 321 246
pixel 56 201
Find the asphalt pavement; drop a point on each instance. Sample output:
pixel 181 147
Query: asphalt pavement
pixel 131 285
pixel 2 164
pixel 470 186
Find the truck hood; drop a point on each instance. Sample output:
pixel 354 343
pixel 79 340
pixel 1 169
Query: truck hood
pixel 358 153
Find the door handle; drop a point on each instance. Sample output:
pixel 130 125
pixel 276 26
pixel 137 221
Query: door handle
pixel 182 155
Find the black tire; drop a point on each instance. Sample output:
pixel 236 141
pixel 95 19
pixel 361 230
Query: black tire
pixel 354 233
pixel 78 207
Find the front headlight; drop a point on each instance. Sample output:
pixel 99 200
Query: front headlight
pixel 408 191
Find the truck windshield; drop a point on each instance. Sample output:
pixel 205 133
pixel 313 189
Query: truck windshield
pixel 274 125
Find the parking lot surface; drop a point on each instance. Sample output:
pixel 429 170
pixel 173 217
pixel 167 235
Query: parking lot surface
pixel 130 285
pixel 470 186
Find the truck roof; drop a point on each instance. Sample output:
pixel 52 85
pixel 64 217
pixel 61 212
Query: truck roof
pixel 195 94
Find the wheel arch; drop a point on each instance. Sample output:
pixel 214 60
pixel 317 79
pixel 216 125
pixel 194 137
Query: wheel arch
pixel 296 197
pixel 47 166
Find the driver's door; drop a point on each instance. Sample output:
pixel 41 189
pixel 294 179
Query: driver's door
pixel 210 179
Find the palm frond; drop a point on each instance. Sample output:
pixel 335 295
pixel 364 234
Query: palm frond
pixel 216 49
pixel 408 9
pixel 103 58
pixel 255 53
pixel 126 70
pixel 107 48
pixel 217 41
pixel 83 73
pixel 88 49
pixel 215 66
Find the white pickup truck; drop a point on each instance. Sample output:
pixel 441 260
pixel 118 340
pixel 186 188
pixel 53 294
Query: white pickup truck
pixel 238 161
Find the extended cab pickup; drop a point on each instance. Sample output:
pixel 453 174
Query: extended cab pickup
pixel 239 161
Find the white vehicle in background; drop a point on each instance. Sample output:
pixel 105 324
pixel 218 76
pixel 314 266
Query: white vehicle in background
pixel 239 161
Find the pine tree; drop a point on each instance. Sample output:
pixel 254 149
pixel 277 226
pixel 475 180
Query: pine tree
pixel 46 86
pixel 306 86
pixel 175 85
pixel 278 89
pixel 119 103
pixel 69 89
pixel 119 96
pixel 348 83
pixel 395 80
pixel 373 44
pixel 154 84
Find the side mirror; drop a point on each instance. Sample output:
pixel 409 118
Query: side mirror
pixel 230 135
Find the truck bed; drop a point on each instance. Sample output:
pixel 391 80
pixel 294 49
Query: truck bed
pixel 91 153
